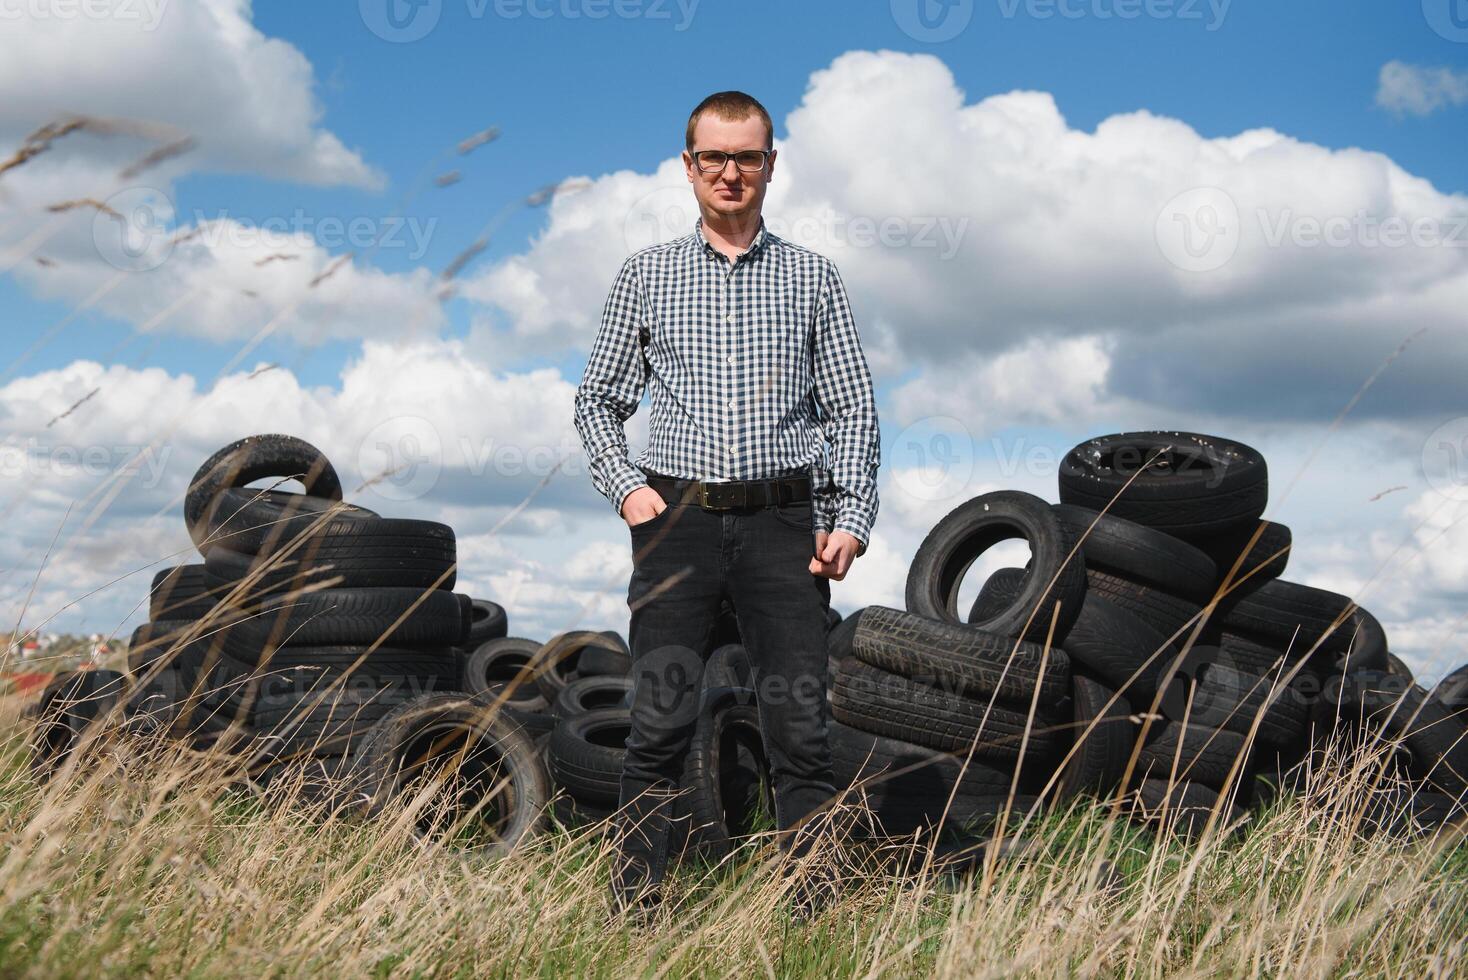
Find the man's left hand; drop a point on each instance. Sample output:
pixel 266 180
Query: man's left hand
pixel 835 553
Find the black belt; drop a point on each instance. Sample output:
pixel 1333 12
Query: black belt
pixel 728 494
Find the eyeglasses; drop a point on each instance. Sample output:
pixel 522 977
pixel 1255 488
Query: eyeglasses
pixel 714 161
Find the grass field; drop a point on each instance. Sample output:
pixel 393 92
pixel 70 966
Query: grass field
pixel 141 859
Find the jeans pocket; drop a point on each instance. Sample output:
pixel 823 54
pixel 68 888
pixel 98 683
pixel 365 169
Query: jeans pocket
pixel 798 515
pixel 657 518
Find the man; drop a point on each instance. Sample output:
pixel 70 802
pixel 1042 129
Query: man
pixel 754 363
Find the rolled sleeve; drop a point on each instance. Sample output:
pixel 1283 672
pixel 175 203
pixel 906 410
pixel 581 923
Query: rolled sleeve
pixel 611 388
pixel 847 405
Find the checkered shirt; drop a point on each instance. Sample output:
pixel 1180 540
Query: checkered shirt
pixel 754 367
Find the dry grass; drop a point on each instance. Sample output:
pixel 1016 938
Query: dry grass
pixel 141 857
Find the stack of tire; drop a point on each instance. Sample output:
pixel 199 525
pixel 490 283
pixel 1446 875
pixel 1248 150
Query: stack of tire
pixel 725 779
pixel 1153 648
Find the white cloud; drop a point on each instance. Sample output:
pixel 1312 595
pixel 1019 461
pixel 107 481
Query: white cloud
pixel 1011 228
pixel 201 66
pixel 1420 91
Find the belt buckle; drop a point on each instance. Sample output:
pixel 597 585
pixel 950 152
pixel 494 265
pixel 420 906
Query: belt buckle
pixel 717 501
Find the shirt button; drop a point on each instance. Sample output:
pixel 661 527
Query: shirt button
pixel 731 403
pixel 731 358
pixel 730 318
pixel 731 449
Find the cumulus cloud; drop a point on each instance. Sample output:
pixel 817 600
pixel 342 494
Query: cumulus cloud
pixel 202 66
pixel 1247 274
pixel 1420 91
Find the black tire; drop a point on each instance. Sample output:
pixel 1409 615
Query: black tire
pixel 1267 559
pixel 1433 737
pixel 908 786
pixel 432 671
pixel 1119 648
pixel 337 560
pixel 725 780
pixel 256 458
pixel 431 731
pixel 614 660
pixel 179 593
pixel 1397 667
pixel 1202 485
pixel 67 708
pixel 972 528
pixel 1142 554
pixel 487 621
pixel 503 667
pixel 1249 654
pixel 884 703
pixel 1207 692
pixel 967 658
pixel 156 640
pixel 1103 738
pixel 840 640
pixel 999 591
pixel 593 694
pixel 559 659
pixel 586 754
pixel 537 725
pixel 353 617
pixel 1409 812
pixel 1184 806
pixel 727 675
pixel 1291 613
pixel 1452 691
pixel 1164 612
pixel 1201 754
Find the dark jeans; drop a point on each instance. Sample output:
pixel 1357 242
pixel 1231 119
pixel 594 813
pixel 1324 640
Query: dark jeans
pixel 686 561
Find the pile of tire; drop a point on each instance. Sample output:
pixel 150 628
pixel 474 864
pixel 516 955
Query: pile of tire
pixel 725 782
pixel 1150 647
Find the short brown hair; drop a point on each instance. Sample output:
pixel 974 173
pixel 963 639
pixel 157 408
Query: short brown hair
pixel 731 107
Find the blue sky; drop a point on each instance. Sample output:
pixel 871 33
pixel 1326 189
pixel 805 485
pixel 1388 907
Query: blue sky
pixel 1057 318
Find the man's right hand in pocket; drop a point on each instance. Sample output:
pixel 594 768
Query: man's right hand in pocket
pixel 642 504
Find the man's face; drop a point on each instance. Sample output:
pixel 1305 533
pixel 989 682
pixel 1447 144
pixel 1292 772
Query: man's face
pixel 730 192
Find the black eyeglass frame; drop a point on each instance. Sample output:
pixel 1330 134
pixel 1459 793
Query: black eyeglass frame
pixel 764 160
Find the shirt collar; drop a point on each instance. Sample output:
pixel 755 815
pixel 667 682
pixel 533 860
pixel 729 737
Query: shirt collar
pixel 761 237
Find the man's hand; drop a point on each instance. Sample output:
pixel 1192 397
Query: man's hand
pixel 836 553
pixel 642 504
